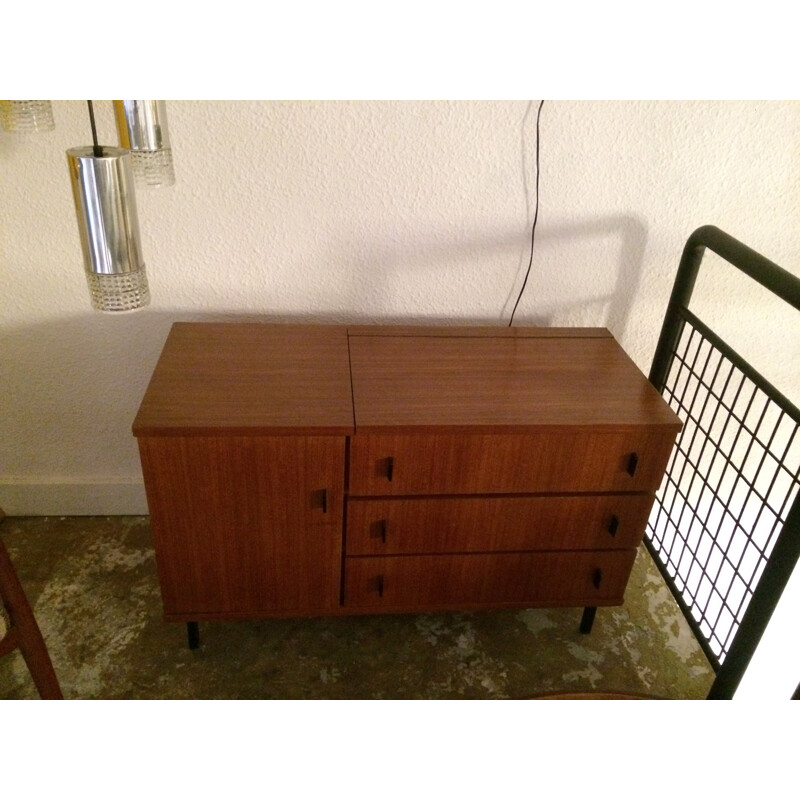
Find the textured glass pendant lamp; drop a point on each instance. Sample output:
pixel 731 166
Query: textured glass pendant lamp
pixel 26 116
pixel 142 128
pixel 108 223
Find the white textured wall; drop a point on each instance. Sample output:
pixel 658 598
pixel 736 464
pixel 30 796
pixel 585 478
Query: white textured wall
pixel 370 211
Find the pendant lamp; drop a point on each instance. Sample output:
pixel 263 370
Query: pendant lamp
pixel 26 116
pixel 108 223
pixel 142 128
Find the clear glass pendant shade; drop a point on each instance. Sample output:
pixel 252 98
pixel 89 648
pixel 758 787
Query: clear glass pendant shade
pixel 108 223
pixel 142 128
pixel 26 116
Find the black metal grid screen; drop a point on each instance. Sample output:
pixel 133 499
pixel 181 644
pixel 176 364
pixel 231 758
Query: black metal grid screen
pixel 730 483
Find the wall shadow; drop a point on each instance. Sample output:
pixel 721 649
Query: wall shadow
pixel 623 235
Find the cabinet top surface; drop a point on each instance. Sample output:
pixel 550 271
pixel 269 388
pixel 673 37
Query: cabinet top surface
pixel 306 379
pixel 249 377
pixel 500 382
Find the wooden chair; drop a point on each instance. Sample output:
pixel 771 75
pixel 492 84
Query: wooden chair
pixel 23 631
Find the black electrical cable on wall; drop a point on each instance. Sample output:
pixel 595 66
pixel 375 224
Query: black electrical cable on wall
pixel 535 217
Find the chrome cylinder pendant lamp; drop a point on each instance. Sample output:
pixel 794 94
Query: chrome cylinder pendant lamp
pixel 108 223
pixel 26 116
pixel 142 128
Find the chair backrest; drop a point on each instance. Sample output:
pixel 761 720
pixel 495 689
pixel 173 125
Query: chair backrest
pixel 725 527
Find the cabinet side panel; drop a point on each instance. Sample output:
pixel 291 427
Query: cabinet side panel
pixel 245 524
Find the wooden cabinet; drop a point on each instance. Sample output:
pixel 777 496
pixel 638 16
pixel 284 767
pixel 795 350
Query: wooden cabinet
pixel 299 470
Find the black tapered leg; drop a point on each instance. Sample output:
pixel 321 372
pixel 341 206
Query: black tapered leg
pixel 587 620
pixel 193 633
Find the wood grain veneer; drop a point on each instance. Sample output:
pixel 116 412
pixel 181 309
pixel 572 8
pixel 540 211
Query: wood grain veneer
pixel 249 378
pixel 499 383
pixel 459 463
pixel 495 524
pixel 482 331
pixel 429 582
pixel 239 525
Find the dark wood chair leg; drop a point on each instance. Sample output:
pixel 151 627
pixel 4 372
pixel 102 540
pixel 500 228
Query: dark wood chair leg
pixel 23 632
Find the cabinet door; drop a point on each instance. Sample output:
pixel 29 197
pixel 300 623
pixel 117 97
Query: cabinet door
pixel 245 526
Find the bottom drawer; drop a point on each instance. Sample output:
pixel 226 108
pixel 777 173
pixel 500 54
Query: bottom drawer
pixel 438 582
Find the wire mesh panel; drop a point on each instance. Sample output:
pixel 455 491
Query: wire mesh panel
pixel 725 525
pixel 731 480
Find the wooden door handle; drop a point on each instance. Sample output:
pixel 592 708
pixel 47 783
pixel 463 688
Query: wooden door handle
pixel 613 525
pixel 633 462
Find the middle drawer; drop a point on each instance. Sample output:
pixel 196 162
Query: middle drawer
pixel 492 524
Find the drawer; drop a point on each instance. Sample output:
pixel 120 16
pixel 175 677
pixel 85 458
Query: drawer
pixel 439 582
pixel 492 524
pixel 550 461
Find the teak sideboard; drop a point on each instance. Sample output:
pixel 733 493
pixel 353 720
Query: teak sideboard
pixel 299 470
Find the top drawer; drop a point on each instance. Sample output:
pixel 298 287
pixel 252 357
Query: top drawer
pixel 550 461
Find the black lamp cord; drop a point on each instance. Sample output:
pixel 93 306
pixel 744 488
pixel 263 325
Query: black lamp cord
pixel 98 151
pixel 535 217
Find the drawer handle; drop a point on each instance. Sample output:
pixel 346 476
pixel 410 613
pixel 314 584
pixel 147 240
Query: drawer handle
pixel 597 578
pixel 633 462
pixel 377 530
pixel 389 469
pixel 613 525
pixel 324 501
pixel 380 585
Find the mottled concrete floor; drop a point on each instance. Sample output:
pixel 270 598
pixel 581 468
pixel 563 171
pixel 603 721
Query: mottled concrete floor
pixel 92 583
